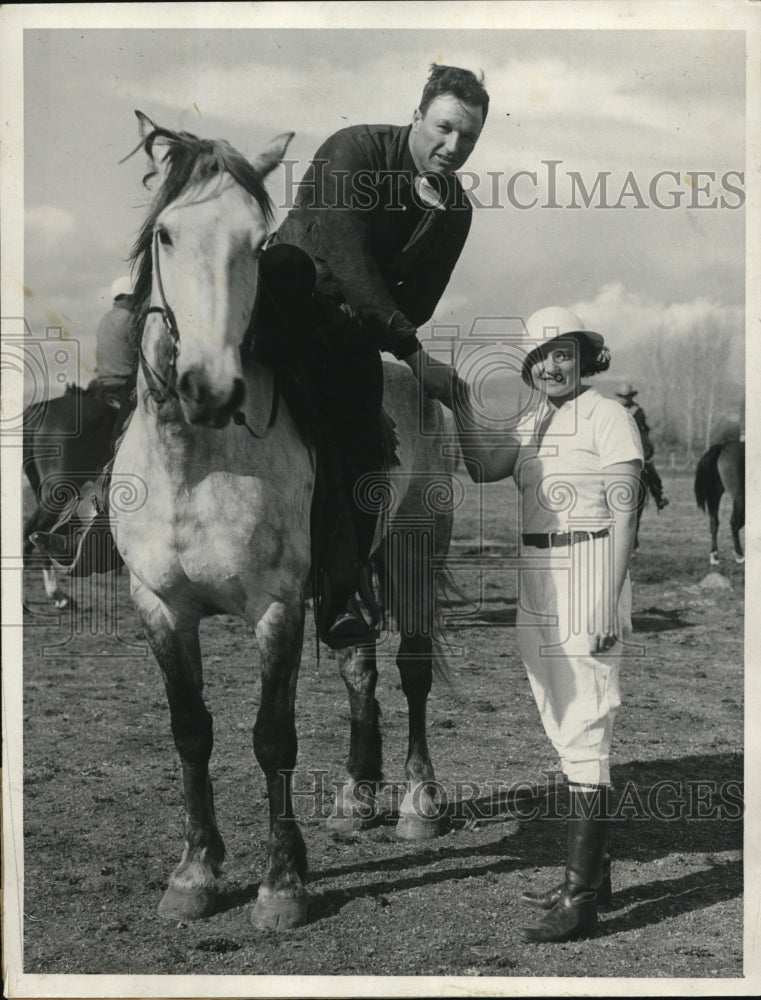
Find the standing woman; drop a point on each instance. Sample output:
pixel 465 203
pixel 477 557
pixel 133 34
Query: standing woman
pixel 576 458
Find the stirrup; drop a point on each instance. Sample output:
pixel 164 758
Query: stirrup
pixel 54 547
pixel 366 594
pixel 351 629
pixel 52 544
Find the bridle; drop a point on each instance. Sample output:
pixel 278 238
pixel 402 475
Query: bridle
pixel 162 389
pixel 152 377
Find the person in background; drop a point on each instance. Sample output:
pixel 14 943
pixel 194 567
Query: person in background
pixel 116 346
pixel 576 458
pixel 652 480
pixel 116 362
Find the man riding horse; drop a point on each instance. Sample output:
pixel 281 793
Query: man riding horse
pixel 378 224
pixel 384 219
pixel 626 394
pixel 116 353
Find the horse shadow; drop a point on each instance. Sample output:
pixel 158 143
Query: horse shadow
pixel 652 620
pixel 644 837
pixel 504 614
pixel 648 621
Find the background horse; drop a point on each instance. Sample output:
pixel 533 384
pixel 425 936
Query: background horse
pixel 720 470
pixel 66 444
pixel 223 523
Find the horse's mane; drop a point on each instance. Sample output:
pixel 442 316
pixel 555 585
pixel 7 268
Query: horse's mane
pixel 189 161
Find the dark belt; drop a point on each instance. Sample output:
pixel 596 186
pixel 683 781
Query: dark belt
pixel 557 538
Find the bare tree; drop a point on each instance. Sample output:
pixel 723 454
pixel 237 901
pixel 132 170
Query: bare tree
pixel 688 380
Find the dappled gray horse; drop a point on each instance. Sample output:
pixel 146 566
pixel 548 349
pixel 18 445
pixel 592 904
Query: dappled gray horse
pixel 222 522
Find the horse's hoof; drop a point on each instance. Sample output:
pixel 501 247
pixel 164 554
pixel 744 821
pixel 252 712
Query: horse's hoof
pixel 739 559
pixel 416 828
pixel 179 905
pixel 279 913
pixel 713 560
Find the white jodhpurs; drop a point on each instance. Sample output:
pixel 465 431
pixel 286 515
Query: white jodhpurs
pixel 561 592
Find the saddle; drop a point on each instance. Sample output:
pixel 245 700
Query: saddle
pixel 300 335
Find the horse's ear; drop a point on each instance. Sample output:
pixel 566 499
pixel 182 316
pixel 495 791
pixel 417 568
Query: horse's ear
pixel 271 156
pixel 145 125
pixel 159 148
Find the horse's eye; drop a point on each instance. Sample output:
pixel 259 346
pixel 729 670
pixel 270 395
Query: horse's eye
pixel 164 238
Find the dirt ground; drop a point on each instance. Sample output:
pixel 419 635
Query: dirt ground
pixel 102 790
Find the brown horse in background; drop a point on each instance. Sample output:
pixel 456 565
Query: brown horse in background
pixel 722 470
pixel 66 443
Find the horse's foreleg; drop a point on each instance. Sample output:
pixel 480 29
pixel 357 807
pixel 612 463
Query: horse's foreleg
pixel 418 813
pixel 282 899
pixel 59 597
pixel 42 520
pixel 192 889
pixel 355 798
pixel 635 547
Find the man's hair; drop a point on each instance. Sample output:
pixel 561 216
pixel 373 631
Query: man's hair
pixel 466 86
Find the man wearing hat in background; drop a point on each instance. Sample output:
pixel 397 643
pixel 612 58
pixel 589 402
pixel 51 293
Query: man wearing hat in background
pixel 116 347
pixel 626 394
pixel 116 362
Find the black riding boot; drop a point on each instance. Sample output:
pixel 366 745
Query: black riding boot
pixel 574 915
pixel 90 548
pixel 353 392
pixel 546 900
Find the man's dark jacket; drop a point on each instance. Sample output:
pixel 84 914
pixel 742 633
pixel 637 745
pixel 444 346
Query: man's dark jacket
pixel 375 244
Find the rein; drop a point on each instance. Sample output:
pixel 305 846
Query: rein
pixel 168 390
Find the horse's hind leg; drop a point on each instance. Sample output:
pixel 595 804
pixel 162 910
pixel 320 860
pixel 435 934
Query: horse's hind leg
pixel 282 899
pixel 713 523
pixel 737 522
pixel 192 889
pixel 418 813
pixel 642 500
pixel 355 798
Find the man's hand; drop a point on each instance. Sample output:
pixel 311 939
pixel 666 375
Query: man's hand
pixel 439 381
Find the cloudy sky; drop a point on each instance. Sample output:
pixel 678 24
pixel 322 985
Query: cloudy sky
pixel 625 105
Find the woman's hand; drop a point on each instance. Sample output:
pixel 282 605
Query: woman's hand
pixel 603 629
pixel 438 380
pixel 602 642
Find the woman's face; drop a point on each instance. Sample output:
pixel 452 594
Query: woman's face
pixel 557 373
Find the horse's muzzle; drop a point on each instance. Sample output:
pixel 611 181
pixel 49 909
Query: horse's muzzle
pixel 203 406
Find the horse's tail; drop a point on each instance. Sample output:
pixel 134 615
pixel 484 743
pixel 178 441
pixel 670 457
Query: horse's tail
pixel 707 482
pixel 445 588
